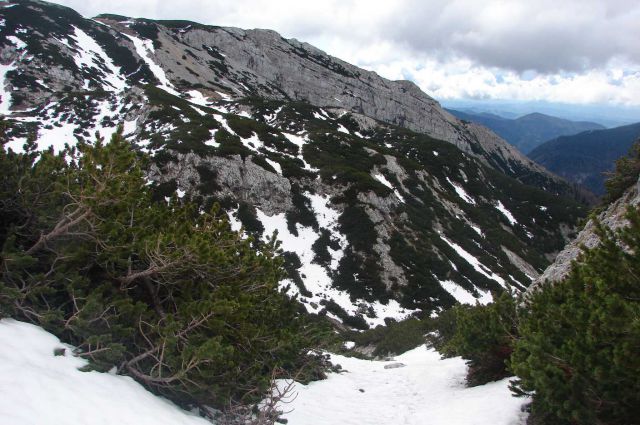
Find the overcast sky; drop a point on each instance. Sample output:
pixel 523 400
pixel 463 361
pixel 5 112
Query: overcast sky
pixel 570 51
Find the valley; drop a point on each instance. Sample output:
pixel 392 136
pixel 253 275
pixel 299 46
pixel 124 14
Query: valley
pixel 209 224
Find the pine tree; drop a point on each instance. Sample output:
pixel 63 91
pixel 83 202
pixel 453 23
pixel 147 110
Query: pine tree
pixel 580 338
pixel 165 292
pixel 482 334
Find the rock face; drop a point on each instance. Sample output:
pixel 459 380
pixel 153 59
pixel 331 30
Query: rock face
pixel 221 61
pixel 235 177
pixel 384 204
pixel 261 62
pixel 613 217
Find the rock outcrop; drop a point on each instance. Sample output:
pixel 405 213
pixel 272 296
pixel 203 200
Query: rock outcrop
pixel 612 217
pixel 383 203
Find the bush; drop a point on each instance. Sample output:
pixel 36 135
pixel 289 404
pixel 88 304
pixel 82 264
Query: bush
pixel 394 338
pixel 482 334
pixel 580 338
pixel 625 175
pixel 162 291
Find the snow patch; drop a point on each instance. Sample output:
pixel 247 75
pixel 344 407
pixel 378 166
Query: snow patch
pixel 197 98
pixel 5 96
pixel 300 141
pixel 462 193
pixel 56 137
pixel 234 222
pixel 463 296
pixel 500 207
pixel 477 230
pixel 475 263
pixel 315 277
pixel 212 139
pixel 41 388
pixel 382 179
pixel 319 116
pixel 224 96
pixel 272 117
pixel 276 166
pixel 20 45
pixel 428 390
pixel 92 56
pixel 145 49
pixel 253 142
pixel 42 83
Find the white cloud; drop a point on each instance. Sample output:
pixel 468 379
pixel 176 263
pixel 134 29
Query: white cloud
pixel 581 51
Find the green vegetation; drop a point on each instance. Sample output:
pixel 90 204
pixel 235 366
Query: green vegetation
pixel 580 338
pixel 625 175
pixel 163 291
pixel 394 338
pixel 481 334
pixel 573 344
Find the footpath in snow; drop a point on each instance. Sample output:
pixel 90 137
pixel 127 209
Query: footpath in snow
pixel 39 388
pixel 426 391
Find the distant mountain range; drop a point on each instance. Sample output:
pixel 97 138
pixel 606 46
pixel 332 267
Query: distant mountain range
pixel 609 115
pixel 528 131
pixel 584 158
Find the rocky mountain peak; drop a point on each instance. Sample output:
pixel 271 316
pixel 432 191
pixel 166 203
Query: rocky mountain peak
pixel 385 204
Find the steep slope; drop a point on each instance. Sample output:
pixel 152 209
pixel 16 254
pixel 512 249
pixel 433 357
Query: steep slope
pixel 385 204
pixel 186 56
pixel 612 217
pixel 48 387
pixel 584 158
pixel 529 131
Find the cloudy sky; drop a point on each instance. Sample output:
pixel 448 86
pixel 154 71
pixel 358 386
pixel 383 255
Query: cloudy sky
pixel 568 51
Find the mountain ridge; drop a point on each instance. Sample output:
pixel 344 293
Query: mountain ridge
pixel 586 157
pixel 377 220
pixel 528 131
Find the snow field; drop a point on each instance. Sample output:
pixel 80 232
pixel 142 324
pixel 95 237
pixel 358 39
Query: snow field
pixel 62 132
pixel 40 388
pixel 426 391
pixel 145 50
pixel 91 55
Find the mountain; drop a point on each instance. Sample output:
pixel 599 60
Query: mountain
pixel 612 217
pixel 585 158
pixel 609 115
pixel 385 204
pixel 529 131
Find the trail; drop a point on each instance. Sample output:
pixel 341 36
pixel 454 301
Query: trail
pixel 426 391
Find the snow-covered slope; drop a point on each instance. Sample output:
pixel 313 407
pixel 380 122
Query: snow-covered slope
pixel 38 387
pixel 427 390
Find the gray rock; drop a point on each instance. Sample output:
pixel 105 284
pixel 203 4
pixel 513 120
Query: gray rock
pixel 394 365
pixel 261 62
pixel 612 217
pixel 237 179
